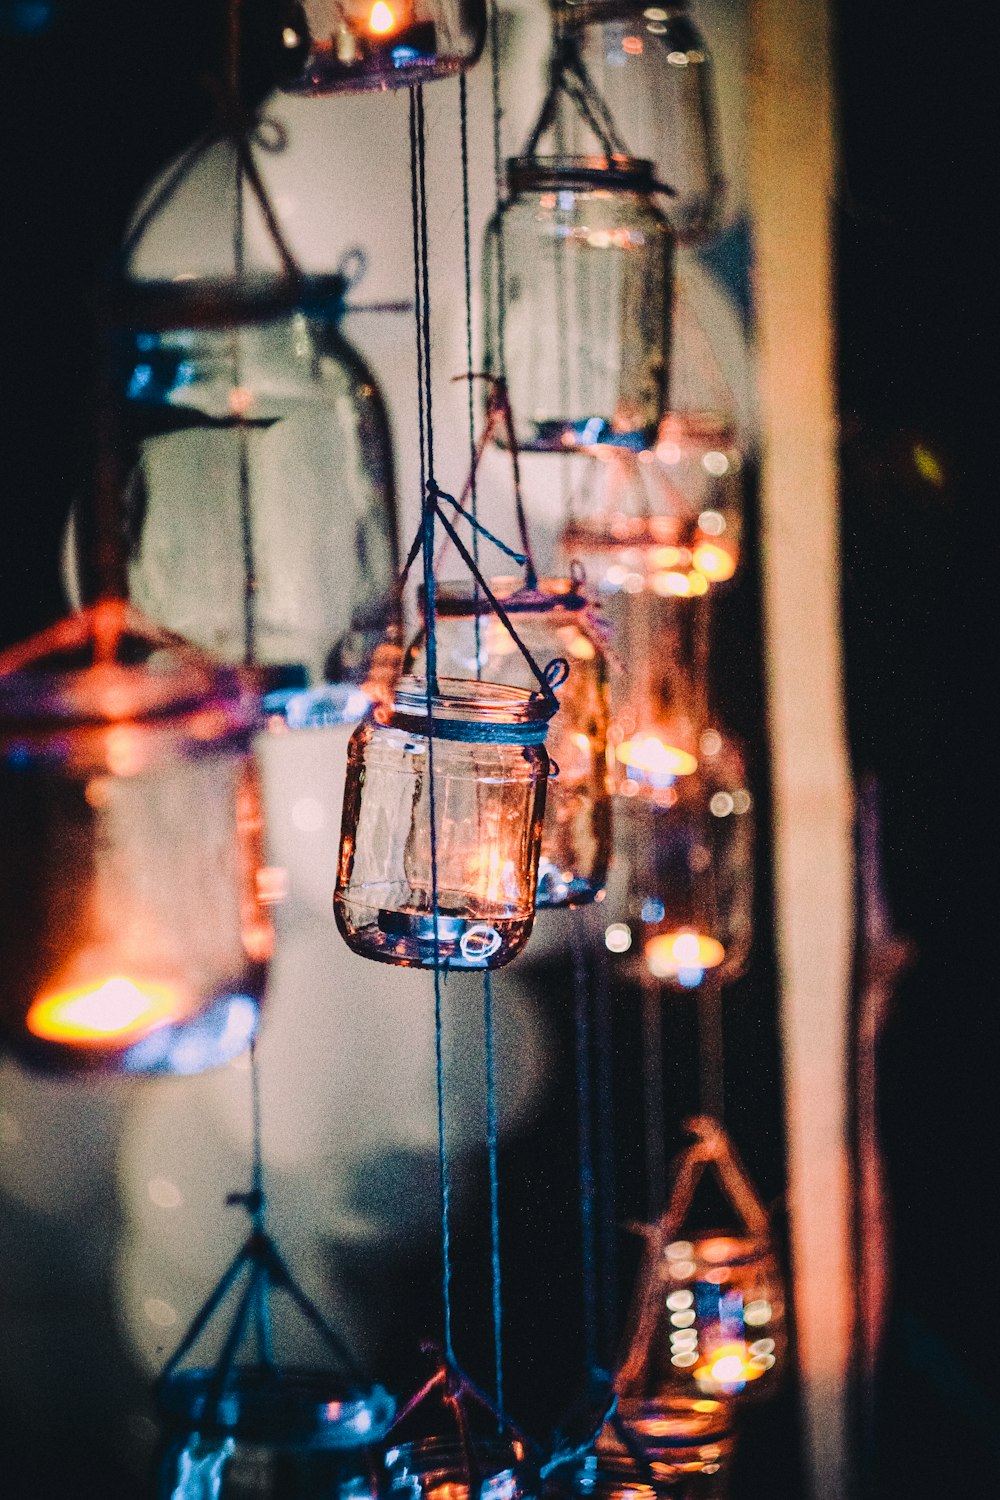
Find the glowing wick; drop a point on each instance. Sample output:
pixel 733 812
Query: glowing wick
pixel 653 760
pixel 381 19
pixel 110 1010
pixel 729 1368
pixel 683 955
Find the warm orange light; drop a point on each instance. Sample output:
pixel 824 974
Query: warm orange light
pixel 116 1010
pixel 632 45
pixel 671 584
pixel 670 952
pixel 647 753
pixel 728 1365
pixel 715 563
pixel 381 19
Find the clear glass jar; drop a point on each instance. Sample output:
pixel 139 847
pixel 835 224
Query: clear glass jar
pixel 688 1446
pixel 708 1320
pixel 585 331
pixel 437 1469
pixel 334 45
pixel 553 621
pixel 690 898
pixel 133 894
pixel 490 768
pixel 668 520
pixel 654 70
pixel 292 1437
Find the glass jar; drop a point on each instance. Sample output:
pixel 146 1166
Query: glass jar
pixel 585 330
pixel 654 70
pixel 553 621
pixel 485 749
pixel 708 1320
pixel 288 1437
pixel 334 45
pixel 688 1449
pixel 437 1469
pixel 134 918
pixel 690 896
pixel 668 520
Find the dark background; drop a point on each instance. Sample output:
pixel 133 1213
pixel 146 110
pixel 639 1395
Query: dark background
pixel 94 96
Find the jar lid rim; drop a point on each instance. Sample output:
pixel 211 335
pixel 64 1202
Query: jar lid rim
pixel 459 697
pixel 625 173
pixel 289 1404
pixel 144 305
pixel 459 596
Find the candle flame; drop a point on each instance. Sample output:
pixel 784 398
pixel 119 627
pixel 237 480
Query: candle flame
pixel 713 562
pixel 726 1366
pixel 648 754
pixel 670 952
pixel 116 1009
pixel 381 19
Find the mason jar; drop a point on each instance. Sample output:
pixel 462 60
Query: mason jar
pixel 688 1448
pixel 438 1469
pixel 462 790
pixel 553 620
pixel 134 899
pixel 328 46
pixel 667 521
pixel 584 331
pixel 288 1436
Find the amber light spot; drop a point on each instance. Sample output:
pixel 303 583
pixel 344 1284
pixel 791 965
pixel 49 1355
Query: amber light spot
pixel 716 563
pixel 632 45
pixel 116 1010
pixel 381 19
pixel 670 952
pixel 648 753
pixel 728 1365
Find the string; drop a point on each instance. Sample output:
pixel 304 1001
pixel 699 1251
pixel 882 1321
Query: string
pixel 429 510
pixel 492 1135
pixel 588 1243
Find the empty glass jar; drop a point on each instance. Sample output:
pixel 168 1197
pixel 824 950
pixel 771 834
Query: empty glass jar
pixel 553 621
pixel 584 332
pixel 668 520
pixel 654 70
pixel 464 790
pixel 134 918
pixel 332 45
pixel 289 1437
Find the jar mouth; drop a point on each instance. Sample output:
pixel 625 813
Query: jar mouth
pixel 670 1422
pixel 526 174
pixel 156 306
pixel 108 665
pixel 460 596
pixel 293 1406
pixel 465 700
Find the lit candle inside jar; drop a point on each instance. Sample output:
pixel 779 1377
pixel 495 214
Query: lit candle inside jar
pixel 111 1011
pixel 648 759
pixel 683 955
pixel 381 20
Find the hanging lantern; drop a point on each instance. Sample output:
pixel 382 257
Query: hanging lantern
pixel 582 324
pixel 669 520
pixel 438 1469
pixel 708 1310
pixel 133 897
pixel 462 791
pixel 259 507
pixel 334 45
pixel 687 1452
pixel 690 874
pixel 553 621
pixel 654 69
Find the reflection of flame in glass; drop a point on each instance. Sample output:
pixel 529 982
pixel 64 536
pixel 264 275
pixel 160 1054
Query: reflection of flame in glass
pixel 728 1368
pixel 649 759
pixel 116 1009
pixel 715 563
pixel 381 19
pixel 683 955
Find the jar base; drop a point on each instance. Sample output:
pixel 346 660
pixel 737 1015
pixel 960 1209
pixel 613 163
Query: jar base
pixel 404 937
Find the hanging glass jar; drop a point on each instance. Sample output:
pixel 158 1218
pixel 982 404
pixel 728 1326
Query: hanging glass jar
pixel 292 1439
pixel 463 790
pixel 668 520
pixel 687 1455
pixel 690 873
pixel 582 324
pixel 707 1314
pixel 335 45
pixel 552 620
pixel 133 895
pixel 654 70
pixel 438 1469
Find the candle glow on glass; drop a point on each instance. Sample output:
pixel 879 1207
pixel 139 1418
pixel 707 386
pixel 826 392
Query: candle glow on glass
pixel 714 562
pixel 648 758
pixel 116 1010
pixel 381 21
pixel 683 955
pixel 728 1368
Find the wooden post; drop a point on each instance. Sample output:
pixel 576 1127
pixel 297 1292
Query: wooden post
pixel 791 158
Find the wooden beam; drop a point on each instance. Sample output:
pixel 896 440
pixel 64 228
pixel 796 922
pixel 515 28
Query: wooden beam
pixel 792 159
